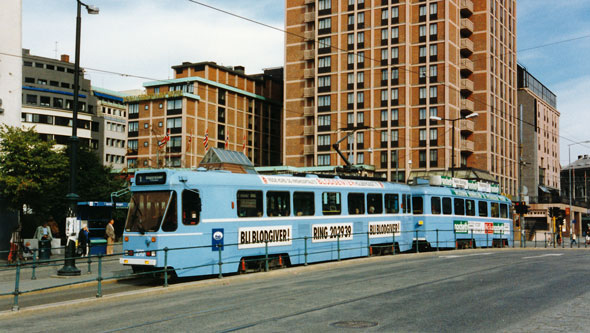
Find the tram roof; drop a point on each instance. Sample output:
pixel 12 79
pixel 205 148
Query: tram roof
pixel 441 190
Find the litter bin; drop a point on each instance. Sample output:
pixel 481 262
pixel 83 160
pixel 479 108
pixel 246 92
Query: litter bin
pixel 98 246
pixel 44 249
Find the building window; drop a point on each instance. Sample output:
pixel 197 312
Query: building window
pixel 433 9
pixel 395 74
pixel 433 92
pixel 323 101
pixel 384 15
pixel 324 140
pixel 360 98
pixel 384 74
pixel 422 93
pixel 350 98
pixel 384 97
pixel 325 42
pixel 325 23
pixel 433 29
pixel 45 101
pixel 422 51
pixel 350 39
pixel 433 112
pixel 395 12
pixel 350 119
pixel 394 94
pixel 323 81
pixel 361 18
pixel 433 72
pixel 422 116
pixel 324 62
pixel 360 37
pixel 31 99
pixel 433 137
pixel 323 160
pixel 174 125
pixel 360 158
pixel 422 10
pixel 422 158
pixel 350 19
pixel 394 137
pixel 433 51
pixel 384 138
pixel 422 31
pixel 394 116
pixel 394 33
pixel 384 56
pixel 384 34
pixel 324 122
pixel 360 118
pixel 422 134
pixel 384 114
pixel 324 4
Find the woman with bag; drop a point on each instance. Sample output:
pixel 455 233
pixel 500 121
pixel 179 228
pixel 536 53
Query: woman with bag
pixel 82 249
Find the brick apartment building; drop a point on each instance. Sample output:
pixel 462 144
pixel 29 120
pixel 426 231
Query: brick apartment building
pixel 380 69
pixel 236 111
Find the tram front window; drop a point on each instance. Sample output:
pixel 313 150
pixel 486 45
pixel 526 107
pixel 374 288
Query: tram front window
pixel 147 209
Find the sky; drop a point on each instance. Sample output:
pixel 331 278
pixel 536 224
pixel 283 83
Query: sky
pixel 146 37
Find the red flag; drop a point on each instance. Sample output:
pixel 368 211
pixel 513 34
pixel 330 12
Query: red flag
pixel 164 140
pixel 226 141
pixel 206 140
pixel 244 144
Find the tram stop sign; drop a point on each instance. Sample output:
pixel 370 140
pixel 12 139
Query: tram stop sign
pixel 217 239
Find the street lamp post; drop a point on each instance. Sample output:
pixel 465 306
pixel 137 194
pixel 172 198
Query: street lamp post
pixel 69 268
pixel 569 157
pixel 475 114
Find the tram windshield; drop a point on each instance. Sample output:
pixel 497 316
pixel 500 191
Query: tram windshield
pixel 147 209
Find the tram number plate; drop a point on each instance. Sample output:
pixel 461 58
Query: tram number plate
pixel 331 232
pixel 139 253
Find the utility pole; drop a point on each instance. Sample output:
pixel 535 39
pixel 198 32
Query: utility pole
pixel 520 162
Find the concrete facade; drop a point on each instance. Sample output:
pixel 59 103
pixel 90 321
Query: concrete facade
pixel 380 68
pixel 237 112
pixel 10 62
pixel 112 111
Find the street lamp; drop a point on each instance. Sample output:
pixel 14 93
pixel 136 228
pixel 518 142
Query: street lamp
pixel 69 268
pixel 472 115
pixel 569 157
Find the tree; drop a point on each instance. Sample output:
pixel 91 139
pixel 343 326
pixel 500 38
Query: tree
pixel 31 170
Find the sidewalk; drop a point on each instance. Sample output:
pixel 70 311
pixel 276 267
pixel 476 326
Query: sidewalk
pixel 46 273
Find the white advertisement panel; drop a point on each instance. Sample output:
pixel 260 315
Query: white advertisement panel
pixel 384 229
pixel 330 232
pixel 254 237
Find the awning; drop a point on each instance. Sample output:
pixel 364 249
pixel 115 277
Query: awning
pixel 544 189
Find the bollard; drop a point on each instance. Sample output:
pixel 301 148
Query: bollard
pixel 393 246
pixel 417 251
pixel 16 284
pixel 220 263
pixel 33 277
pixel 487 240
pixel 305 249
pixel 338 245
pixel 535 240
pixel 266 255
pixel 99 277
pixel 455 236
pixel 89 262
pixel 165 267
pixel 472 245
pixel 437 240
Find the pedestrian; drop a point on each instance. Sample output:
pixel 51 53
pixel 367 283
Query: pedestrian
pixel 110 235
pixel 573 239
pixel 83 241
pixel 44 236
pixel 54 227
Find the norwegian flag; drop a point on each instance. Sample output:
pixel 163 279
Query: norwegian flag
pixel 244 144
pixel 206 140
pixel 226 141
pixel 165 140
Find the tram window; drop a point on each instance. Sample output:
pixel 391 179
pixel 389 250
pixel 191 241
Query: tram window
pixel 483 208
pixel 277 203
pixel 459 206
pixel 435 205
pixel 171 220
pixel 191 207
pixel 447 206
pixel 495 210
pixel 303 203
pixel 470 207
pixel 503 211
pixel 331 204
pixel 392 203
pixel 375 203
pixel 249 203
pixel 356 203
pixel 417 205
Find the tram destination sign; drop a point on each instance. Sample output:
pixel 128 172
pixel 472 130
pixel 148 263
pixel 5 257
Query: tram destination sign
pixel 152 178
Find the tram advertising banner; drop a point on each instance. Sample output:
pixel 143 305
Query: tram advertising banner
pixel 330 232
pixel 461 227
pixel 253 237
pixel 478 228
pixel 481 228
pixel 384 229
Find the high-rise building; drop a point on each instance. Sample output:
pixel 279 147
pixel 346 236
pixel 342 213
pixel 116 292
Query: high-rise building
pixel 11 63
pixel 381 72
pixel 112 112
pixel 47 98
pixel 540 138
pixel 206 105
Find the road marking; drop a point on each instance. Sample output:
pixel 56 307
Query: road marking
pixel 466 255
pixel 545 255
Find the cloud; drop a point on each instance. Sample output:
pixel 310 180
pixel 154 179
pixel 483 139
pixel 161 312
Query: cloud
pixel 145 38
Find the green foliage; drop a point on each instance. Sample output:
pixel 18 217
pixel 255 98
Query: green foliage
pixel 31 170
pixel 36 174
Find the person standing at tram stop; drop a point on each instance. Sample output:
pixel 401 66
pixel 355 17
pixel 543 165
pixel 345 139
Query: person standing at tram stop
pixel 110 234
pixel 44 236
pixel 83 241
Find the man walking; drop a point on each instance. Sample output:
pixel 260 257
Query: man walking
pixel 110 233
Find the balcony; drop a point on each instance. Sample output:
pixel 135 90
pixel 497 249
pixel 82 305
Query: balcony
pixel 467 146
pixel 467 105
pixel 309 2
pixel 310 92
pixel 308 150
pixel 466 125
pixel 310 35
pixel 466 86
pixel 466 47
pixel 308 130
pixel 466 67
pixel 466 27
pixel 309 17
pixel 466 8
pixel 308 111
pixel 308 73
pixel 309 54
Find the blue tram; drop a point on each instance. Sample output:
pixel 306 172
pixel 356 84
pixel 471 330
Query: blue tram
pixel 204 217
pixel 297 219
pixel 454 217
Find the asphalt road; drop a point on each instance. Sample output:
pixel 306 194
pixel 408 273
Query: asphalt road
pixel 457 291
